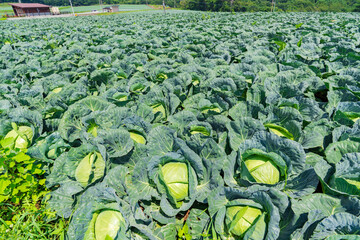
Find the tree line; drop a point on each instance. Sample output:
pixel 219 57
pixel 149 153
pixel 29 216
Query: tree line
pixel 281 5
pixel 227 5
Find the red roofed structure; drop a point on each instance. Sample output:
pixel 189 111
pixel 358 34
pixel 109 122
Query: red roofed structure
pixel 30 9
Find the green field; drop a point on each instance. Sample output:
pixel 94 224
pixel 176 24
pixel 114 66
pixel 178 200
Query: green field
pixel 122 7
pixel 5 8
pixel 182 125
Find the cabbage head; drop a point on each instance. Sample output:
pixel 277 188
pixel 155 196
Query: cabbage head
pixel 159 107
pixel 262 169
pixel 137 137
pixel 240 218
pixel 176 178
pixel 22 136
pixel 90 169
pixel 105 225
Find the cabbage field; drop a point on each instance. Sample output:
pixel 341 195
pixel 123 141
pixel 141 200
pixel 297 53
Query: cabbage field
pixel 189 125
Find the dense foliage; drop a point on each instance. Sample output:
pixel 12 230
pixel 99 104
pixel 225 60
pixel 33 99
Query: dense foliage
pixel 187 125
pixel 265 5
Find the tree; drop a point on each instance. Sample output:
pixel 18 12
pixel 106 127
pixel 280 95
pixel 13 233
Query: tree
pixel 357 8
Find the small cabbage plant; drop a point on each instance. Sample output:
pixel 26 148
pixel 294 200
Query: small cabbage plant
pixel 252 213
pixel 102 215
pixel 176 176
pixel 267 159
pixel 22 136
pixel 73 171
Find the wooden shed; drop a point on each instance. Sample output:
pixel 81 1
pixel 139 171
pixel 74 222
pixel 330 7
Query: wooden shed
pixel 30 9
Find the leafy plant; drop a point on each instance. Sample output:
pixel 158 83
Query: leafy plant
pixel 23 206
pixel 20 175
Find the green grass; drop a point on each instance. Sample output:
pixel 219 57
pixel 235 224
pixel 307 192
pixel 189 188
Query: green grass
pixel 126 7
pixel 5 7
pixel 82 8
pixel 160 7
pixel 29 222
pixel 6 12
pixel 128 11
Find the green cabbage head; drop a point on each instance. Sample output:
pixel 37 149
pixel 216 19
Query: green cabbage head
pixel 105 225
pixel 22 136
pixel 262 169
pixel 159 107
pixel 240 218
pixel 90 169
pixel 354 182
pixel 176 178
